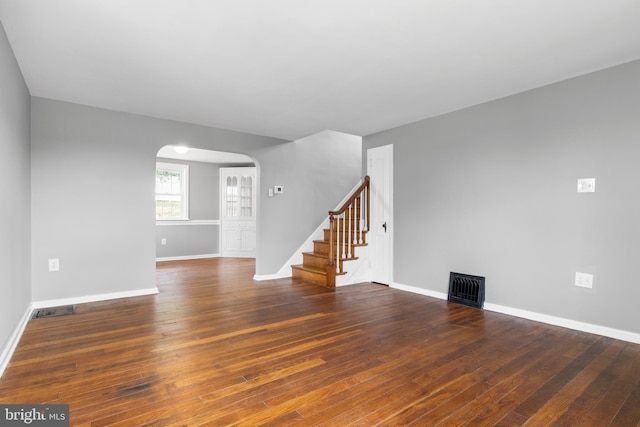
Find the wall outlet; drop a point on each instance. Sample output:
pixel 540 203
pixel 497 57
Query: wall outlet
pixel 163 241
pixel 584 280
pixel 54 264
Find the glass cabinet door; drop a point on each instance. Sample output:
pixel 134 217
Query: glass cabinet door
pixel 239 197
pixel 246 198
pixel 231 197
pixel 238 211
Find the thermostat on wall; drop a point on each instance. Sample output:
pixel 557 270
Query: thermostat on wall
pixel 278 189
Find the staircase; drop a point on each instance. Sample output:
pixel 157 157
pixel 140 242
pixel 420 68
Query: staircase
pixel 347 231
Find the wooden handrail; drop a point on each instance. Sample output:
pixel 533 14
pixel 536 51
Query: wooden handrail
pixel 356 193
pixel 354 216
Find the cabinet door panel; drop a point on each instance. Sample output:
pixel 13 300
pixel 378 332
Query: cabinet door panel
pixel 237 212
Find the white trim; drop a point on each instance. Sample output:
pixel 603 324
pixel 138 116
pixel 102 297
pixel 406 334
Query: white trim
pixel 262 277
pixel 186 257
pixel 536 317
pixel 307 245
pixel 389 152
pixel 357 270
pixel 184 184
pixel 94 298
pixel 296 258
pixel 163 222
pixel 421 291
pixel 566 323
pixel 14 339
pixel 230 222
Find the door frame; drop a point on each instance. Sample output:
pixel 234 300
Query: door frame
pixel 387 152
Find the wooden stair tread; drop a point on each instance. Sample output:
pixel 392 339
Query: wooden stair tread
pixel 353 244
pixel 316 254
pixel 326 256
pixel 347 224
pixel 313 269
pixel 353 230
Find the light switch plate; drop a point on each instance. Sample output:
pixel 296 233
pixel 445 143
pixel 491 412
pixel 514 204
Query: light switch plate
pixel 587 185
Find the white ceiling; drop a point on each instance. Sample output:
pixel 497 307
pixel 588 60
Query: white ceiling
pixel 206 156
pixel 291 68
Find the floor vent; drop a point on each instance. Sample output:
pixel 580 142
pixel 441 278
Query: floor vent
pixel 66 310
pixel 466 290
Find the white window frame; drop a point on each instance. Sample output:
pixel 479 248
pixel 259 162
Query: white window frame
pixel 184 191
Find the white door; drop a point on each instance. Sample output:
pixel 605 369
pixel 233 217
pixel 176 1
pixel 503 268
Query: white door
pixel 380 171
pixel 238 212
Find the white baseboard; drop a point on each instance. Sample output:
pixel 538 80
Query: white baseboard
pixel 421 291
pixel 94 298
pixel 261 277
pixel 537 317
pixel 296 258
pixel 14 339
pixel 566 323
pixel 186 257
pixel 306 246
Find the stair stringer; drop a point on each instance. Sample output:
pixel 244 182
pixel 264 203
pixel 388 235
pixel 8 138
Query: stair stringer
pixel 357 270
pixel 296 258
pixel 307 246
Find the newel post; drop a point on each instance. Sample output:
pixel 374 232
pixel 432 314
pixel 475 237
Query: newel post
pixel 331 266
pixel 368 197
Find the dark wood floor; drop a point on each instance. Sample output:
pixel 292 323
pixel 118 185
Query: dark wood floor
pixel 216 348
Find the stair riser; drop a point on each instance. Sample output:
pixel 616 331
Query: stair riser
pixel 347 233
pixel 319 262
pixel 314 261
pixel 322 247
pixel 311 276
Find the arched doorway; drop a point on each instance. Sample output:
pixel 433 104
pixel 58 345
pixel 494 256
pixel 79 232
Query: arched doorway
pixel 188 201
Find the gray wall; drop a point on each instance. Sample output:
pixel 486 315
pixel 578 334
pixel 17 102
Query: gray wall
pixel 15 215
pixel 317 172
pixel 204 200
pixel 101 225
pixel 491 190
pixel 204 189
pixel 187 240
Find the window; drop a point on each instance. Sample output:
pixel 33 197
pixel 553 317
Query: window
pixel 172 188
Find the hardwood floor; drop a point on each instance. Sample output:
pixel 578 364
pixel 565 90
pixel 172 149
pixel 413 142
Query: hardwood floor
pixel 216 348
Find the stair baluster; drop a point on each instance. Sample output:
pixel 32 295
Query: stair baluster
pixel 348 227
pixel 352 230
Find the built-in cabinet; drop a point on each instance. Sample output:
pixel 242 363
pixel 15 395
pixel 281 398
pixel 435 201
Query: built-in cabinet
pixel 238 212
